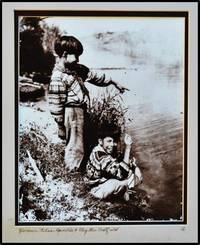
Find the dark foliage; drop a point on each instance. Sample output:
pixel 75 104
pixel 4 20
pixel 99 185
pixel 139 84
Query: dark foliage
pixel 33 58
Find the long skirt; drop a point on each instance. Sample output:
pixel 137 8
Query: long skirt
pixel 74 123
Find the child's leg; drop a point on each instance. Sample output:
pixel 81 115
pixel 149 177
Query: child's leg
pixel 136 171
pixel 138 175
pixel 134 179
pixel 111 186
pixel 74 150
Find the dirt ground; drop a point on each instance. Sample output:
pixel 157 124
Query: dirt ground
pixel 61 195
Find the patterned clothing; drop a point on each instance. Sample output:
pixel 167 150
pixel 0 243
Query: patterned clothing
pixel 102 166
pixel 67 88
pixel 108 177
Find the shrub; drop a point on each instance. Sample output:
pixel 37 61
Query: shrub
pixel 106 114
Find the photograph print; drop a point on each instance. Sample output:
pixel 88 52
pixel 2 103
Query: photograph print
pixel 101 108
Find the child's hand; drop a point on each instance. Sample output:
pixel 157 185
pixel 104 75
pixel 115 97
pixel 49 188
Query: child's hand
pixel 68 79
pixel 62 132
pixel 121 88
pixel 128 140
pixel 59 121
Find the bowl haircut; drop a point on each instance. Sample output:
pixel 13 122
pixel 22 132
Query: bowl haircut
pixel 69 44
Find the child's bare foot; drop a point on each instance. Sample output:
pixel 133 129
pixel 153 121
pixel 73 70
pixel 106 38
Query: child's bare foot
pixel 126 196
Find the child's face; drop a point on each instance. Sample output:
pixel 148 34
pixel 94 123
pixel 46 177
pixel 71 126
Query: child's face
pixel 108 144
pixel 68 59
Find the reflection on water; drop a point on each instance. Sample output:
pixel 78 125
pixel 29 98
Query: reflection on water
pixel 170 72
pixel 158 145
pixel 157 130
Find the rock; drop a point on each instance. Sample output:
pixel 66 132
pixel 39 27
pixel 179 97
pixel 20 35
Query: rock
pixel 30 91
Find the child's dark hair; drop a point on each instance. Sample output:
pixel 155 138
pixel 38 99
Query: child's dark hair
pixel 69 44
pixel 108 132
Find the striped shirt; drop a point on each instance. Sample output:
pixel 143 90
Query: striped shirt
pixel 67 88
pixel 102 165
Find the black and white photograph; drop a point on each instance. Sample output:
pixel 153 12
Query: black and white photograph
pixel 101 117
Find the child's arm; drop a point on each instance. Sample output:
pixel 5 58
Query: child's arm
pixel 128 141
pixel 57 97
pixel 125 164
pixel 117 169
pixel 121 88
pixel 101 81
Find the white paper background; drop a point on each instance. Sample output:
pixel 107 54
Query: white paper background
pixel 125 233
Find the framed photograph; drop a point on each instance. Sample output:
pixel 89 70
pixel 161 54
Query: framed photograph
pixel 104 98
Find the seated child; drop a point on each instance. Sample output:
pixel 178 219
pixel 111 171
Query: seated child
pixel 106 175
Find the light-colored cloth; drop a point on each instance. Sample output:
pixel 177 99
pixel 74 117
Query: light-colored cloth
pixel 113 186
pixel 74 123
pixel 108 188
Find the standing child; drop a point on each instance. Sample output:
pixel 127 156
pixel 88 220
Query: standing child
pixel 68 96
